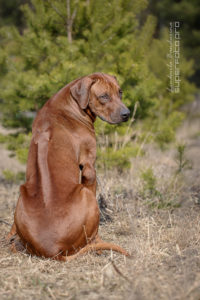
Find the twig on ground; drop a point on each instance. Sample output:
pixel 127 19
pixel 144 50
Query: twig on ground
pixel 119 272
pixel 4 222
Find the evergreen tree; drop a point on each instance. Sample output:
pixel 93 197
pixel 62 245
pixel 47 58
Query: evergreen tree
pixel 63 40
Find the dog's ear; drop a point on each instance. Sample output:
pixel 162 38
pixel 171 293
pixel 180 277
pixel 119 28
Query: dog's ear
pixel 80 91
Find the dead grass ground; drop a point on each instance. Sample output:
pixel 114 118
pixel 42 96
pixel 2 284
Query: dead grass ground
pixel 164 242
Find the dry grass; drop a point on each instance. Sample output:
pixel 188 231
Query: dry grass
pixel 164 242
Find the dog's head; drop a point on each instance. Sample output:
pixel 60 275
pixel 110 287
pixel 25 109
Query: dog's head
pixel 102 94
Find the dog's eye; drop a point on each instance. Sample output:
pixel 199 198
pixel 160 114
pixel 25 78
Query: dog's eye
pixel 120 93
pixel 104 98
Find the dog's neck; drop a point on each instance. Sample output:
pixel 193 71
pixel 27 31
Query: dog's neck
pixel 70 109
pixel 90 114
pixel 85 117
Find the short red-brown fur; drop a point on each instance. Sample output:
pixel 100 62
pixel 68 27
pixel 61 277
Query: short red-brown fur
pixel 57 216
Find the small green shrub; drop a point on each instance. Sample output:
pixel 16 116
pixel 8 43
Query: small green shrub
pixel 118 158
pixel 9 175
pixel 3 138
pixel 180 158
pixel 165 130
pixel 149 181
pixel 22 155
pixel 20 176
pixel 156 197
pixel 12 177
pixel 17 143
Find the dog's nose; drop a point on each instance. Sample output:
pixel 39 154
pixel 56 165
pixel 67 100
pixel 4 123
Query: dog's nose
pixel 125 114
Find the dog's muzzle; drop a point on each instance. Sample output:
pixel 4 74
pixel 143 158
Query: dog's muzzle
pixel 125 114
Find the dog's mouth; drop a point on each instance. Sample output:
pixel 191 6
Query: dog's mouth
pixel 110 122
pixel 121 119
pixel 125 119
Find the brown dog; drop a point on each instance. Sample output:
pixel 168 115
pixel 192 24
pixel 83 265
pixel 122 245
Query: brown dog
pixel 57 216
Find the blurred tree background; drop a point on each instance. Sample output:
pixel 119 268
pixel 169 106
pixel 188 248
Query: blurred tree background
pixel 47 44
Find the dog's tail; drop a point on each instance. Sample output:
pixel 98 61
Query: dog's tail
pixel 98 247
